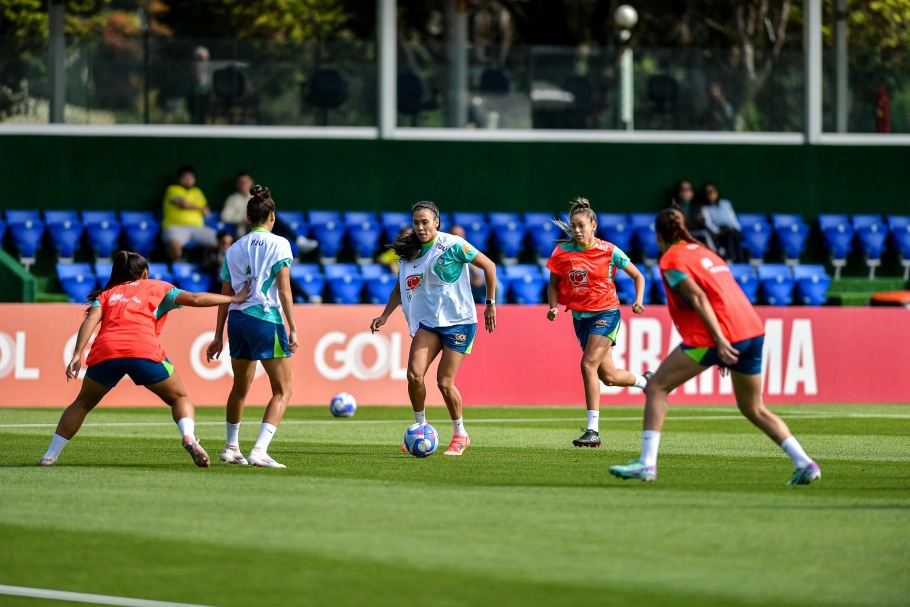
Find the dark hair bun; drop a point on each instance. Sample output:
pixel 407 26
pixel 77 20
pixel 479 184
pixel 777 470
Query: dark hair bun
pixel 260 193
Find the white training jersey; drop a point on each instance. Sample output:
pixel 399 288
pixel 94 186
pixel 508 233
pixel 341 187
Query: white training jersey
pixel 436 287
pixel 258 256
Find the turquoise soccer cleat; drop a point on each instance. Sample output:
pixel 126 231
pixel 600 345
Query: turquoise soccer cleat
pixel 804 476
pixel 635 469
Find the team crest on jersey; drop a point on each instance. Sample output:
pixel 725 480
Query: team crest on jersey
pixel 412 282
pixel 578 277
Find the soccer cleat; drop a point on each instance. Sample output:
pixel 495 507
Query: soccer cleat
pixel 590 438
pixel 804 476
pixel 635 469
pixel 46 462
pixel 647 375
pixel 261 459
pixel 232 455
pixel 458 445
pixel 192 446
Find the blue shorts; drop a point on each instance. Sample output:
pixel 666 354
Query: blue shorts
pixel 605 323
pixel 749 355
pixel 251 338
pixel 142 371
pixel 457 337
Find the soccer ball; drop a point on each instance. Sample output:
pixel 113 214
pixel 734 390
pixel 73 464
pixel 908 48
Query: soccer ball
pixel 421 440
pixel 343 405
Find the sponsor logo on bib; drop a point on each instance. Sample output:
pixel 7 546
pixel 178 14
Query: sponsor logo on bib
pixel 412 282
pixel 578 277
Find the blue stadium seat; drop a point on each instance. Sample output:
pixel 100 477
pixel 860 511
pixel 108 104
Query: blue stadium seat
pixel 103 271
pixel 866 220
pixel 77 280
pixel 295 221
pixel 364 238
pixel 392 223
pixel 812 284
pixel 98 216
pixel 335 271
pixel 536 219
pixel 354 217
pixel 103 235
pixel 324 216
pixel 520 270
pixel 645 240
pixel 2 230
pixel 625 288
pixel 330 235
pixel 791 233
pixel 463 218
pixel 510 235
pixel 901 236
pixel 616 228
pixel 826 221
pixel 310 278
pixel 377 288
pixel 220 226
pixel 345 289
pixel 160 271
pixel 477 233
pixel 60 216
pixel 543 237
pixel 871 238
pixel 65 235
pixel 776 284
pixel 838 237
pixel 27 236
pixel 372 270
pixel 445 221
pixel 21 216
pixel 756 235
pixel 141 231
pixel 526 288
pixel 498 218
pixel 189 278
pixel 745 275
pixel 658 293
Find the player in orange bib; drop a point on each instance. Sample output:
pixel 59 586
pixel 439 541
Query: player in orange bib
pixel 582 270
pixel 718 326
pixel 131 310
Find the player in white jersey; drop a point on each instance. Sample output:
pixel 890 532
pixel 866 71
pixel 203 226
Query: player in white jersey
pixel 255 327
pixel 434 291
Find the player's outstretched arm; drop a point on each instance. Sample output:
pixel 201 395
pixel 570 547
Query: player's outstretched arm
pixel 553 296
pixel 394 302
pixel 489 274
pixel 92 318
pixel 639 279
pixel 700 303
pixel 208 300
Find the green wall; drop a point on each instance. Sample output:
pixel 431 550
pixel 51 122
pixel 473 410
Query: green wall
pixel 131 173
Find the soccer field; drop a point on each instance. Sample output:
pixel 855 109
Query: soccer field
pixel 523 518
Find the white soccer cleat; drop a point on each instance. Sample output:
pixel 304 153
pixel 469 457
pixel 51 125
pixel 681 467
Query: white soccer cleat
pixel 232 455
pixel 260 458
pixel 46 462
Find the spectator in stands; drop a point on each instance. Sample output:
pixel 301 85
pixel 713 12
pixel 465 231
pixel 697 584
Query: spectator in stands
pixel 721 221
pixel 184 212
pixel 389 257
pixel 213 259
pixel 234 209
pixel 684 199
pixel 234 213
pixel 478 280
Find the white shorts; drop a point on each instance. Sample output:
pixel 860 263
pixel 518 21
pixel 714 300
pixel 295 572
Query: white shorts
pixel 204 235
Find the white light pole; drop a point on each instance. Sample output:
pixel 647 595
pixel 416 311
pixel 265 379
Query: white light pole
pixel 625 18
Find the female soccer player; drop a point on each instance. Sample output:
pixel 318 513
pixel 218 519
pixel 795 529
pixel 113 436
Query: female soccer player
pixel 132 310
pixel 718 326
pixel 434 291
pixel 582 270
pixel 255 328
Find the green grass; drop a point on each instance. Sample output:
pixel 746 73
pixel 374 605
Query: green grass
pixel 522 519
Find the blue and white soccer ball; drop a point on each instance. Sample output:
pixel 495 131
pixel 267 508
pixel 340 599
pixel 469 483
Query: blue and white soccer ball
pixel 421 440
pixel 343 405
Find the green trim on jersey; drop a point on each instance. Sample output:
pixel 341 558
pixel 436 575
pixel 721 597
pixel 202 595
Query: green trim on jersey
pixel 168 303
pixel 450 264
pixel 273 274
pixel 424 247
pixel 674 277
pixel 258 311
pixel 259 229
pixel 225 271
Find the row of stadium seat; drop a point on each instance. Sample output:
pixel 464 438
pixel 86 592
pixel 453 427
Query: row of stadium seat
pixel 778 284
pixel 510 232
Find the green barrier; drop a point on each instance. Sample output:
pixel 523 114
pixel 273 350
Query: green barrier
pixel 15 283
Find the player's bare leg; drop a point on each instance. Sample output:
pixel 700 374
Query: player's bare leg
pixel 280 375
pixel 445 379
pixel 73 417
pixel 172 392
pixel 425 347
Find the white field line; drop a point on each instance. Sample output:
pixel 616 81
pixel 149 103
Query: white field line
pixel 529 420
pixel 79 597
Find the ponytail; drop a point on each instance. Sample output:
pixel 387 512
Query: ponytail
pixel 127 267
pixel 581 206
pixel 671 225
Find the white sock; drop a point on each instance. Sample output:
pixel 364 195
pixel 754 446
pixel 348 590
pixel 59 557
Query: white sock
pixel 793 449
pixel 420 417
pixel 265 437
pixel 458 427
pixel 187 427
pixel 650 441
pixel 57 445
pixel 233 433
pixel 640 381
pixel 594 420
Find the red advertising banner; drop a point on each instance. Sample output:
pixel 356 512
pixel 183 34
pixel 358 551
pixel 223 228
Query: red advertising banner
pixel 812 355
